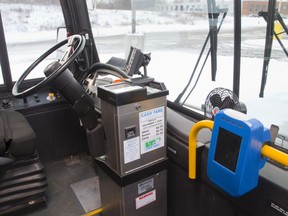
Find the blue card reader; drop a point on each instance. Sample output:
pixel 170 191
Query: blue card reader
pixel 234 157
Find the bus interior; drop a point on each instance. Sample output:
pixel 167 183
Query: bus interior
pixel 159 107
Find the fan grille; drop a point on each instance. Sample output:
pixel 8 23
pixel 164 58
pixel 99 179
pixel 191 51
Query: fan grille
pixel 218 99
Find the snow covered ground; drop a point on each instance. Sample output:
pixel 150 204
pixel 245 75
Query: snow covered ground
pixel 39 19
pixel 170 66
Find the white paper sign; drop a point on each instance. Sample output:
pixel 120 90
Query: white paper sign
pixel 145 199
pixel 131 150
pixel 152 129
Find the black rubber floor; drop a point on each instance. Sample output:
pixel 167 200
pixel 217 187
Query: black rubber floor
pixel 61 199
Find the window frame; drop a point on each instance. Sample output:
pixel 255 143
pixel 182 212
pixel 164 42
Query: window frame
pixel 4 59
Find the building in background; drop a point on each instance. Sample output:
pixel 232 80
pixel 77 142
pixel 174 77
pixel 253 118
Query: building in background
pixel 191 6
pixel 249 7
pixel 255 6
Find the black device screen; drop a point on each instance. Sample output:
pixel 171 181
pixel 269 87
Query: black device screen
pixel 134 61
pixel 227 149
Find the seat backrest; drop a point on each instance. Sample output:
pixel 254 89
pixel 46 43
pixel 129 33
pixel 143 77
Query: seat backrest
pixel 19 139
pixel 3 159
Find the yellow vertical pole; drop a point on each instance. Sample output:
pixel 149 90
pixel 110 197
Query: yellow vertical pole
pixel 193 145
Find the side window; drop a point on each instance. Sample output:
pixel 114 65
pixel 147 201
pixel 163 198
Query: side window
pixel 30 30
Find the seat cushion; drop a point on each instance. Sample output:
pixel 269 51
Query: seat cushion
pixel 19 135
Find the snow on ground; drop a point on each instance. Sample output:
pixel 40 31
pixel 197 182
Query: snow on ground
pixel 104 22
pixel 272 109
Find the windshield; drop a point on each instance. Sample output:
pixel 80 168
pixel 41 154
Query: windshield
pixel 30 30
pixel 175 32
pixel 178 36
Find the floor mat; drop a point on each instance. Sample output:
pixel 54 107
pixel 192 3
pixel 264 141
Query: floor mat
pixel 88 193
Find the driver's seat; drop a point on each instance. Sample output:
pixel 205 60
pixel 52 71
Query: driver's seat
pixel 22 177
pixel 17 138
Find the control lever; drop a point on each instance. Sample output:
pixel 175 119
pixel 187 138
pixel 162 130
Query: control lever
pixel 69 50
pixel 25 100
pixel 274 129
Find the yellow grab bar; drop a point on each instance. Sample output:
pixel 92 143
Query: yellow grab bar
pixel 192 145
pixel 267 151
pixel 94 212
pixel 275 155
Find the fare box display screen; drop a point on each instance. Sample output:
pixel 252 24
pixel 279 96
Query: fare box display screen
pixel 227 149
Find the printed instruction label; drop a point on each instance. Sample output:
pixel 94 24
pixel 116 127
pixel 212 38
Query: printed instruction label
pixel 145 199
pixel 278 208
pixel 145 186
pixel 131 150
pixel 151 129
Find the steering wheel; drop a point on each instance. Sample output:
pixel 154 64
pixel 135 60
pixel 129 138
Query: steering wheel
pixel 69 56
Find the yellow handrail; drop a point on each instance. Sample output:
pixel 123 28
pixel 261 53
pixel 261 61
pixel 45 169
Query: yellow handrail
pixel 267 151
pixel 94 212
pixel 275 155
pixel 193 145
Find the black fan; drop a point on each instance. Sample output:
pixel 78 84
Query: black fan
pixel 218 99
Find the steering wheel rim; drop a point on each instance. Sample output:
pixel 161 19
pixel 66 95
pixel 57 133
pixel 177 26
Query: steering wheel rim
pixel 56 73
